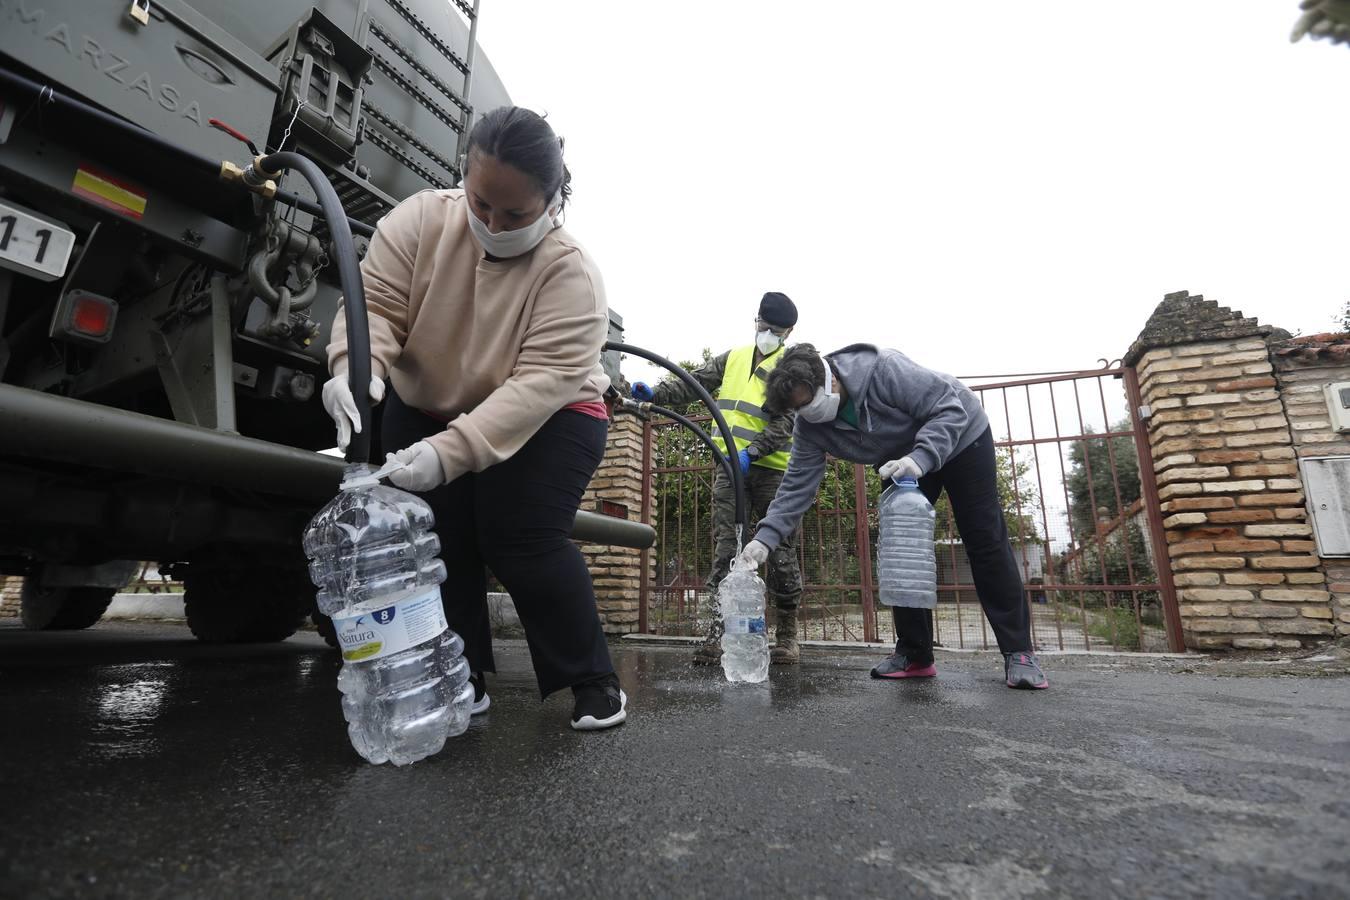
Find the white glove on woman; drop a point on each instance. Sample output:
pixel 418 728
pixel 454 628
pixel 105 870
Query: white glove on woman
pixel 753 556
pixel 901 468
pixel 341 405
pixel 421 468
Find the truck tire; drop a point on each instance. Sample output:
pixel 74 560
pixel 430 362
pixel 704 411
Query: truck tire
pixel 237 606
pixel 61 608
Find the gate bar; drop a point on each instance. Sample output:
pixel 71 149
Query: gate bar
pixel 1148 481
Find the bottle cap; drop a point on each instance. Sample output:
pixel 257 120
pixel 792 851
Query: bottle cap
pixel 906 482
pixel 370 479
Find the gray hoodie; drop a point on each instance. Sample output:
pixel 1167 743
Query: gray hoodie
pixel 903 410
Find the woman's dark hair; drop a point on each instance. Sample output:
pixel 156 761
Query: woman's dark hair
pixel 801 365
pixel 521 138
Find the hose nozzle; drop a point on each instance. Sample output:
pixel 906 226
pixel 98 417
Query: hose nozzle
pixel 252 177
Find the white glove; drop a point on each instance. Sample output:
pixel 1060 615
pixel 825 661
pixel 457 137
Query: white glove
pixel 753 556
pixel 903 467
pixel 421 468
pixel 341 405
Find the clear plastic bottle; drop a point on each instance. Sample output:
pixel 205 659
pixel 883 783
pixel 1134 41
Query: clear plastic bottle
pixel 745 645
pixel 906 563
pixel 404 680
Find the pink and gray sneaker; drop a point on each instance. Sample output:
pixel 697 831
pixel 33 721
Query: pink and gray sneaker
pixel 899 665
pixel 1022 671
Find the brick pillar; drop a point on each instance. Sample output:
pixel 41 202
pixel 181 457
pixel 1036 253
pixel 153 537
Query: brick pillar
pixel 616 571
pixel 1232 500
pixel 1303 366
pixel 10 587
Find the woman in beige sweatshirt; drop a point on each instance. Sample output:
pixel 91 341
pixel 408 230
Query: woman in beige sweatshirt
pixel 488 318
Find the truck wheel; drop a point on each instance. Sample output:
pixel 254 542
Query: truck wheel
pixel 234 606
pixel 61 608
pixel 324 626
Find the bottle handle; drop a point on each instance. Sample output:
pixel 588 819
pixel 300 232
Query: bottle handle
pixel 391 464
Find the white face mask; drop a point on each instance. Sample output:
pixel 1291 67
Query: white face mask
pixel 824 406
pixel 506 244
pixel 767 342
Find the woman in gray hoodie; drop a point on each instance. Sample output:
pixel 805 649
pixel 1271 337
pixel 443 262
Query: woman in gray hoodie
pixel 874 406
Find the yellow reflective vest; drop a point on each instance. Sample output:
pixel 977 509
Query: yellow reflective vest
pixel 741 399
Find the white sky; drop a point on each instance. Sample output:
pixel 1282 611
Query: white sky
pixel 990 187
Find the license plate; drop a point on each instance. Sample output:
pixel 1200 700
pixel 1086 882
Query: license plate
pixel 33 244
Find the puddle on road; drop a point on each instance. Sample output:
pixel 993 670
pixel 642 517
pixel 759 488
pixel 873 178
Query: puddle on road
pixel 126 707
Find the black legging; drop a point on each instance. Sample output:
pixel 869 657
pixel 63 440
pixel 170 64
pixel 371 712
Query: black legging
pixel 971 481
pixel 516 519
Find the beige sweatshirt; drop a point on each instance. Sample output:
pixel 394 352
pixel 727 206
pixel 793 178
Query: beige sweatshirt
pixel 496 347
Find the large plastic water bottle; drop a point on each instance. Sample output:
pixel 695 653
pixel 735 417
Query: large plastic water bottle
pixel 745 645
pixel 404 680
pixel 906 562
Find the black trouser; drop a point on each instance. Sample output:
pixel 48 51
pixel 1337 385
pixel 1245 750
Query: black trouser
pixel 516 519
pixel 971 481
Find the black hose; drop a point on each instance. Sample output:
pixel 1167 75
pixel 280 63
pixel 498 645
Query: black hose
pixel 353 294
pixel 718 455
pixel 47 95
pixel 737 480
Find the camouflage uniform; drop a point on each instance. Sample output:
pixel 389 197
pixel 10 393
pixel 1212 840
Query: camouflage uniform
pixel 783 573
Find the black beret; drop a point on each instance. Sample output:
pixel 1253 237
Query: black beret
pixel 778 310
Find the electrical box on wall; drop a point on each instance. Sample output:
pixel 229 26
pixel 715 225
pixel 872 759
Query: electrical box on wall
pixel 1327 479
pixel 1338 405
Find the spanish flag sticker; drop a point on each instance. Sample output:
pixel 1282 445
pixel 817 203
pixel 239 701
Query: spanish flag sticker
pixel 109 192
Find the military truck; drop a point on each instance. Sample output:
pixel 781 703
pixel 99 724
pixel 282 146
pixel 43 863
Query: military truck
pixel 162 329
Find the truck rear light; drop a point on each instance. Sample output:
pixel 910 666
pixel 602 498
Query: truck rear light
pixel 84 316
pixel 93 316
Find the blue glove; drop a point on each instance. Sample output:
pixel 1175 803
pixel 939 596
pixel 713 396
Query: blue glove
pixel 642 392
pixel 745 461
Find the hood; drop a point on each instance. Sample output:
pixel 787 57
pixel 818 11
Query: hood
pixel 855 364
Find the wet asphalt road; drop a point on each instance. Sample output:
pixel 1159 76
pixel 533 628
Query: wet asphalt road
pixel 135 762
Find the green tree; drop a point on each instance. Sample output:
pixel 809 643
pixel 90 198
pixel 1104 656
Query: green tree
pixel 1103 478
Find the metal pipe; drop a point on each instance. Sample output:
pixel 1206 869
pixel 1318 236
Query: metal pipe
pixel 314 209
pixel 737 481
pixel 863 538
pixel 47 427
pixel 45 94
pixel 593 528
pixel 469 56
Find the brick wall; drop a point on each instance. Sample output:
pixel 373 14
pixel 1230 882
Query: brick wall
pixel 10 586
pixel 1302 367
pixel 617 571
pixel 1237 532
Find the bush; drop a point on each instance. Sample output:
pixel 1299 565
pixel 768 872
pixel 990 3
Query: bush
pixel 1115 624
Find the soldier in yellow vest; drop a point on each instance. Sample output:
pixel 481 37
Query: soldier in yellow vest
pixel 763 442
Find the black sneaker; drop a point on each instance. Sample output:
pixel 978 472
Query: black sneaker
pixel 1022 671
pixel 599 704
pixel 481 700
pixel 900 665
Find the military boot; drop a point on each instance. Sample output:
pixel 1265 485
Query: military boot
pixel 785 651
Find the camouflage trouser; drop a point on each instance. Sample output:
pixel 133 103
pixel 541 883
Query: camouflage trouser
pixel 783 574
